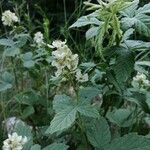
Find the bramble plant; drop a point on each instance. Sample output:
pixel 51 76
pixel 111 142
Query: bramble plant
pixel 55 97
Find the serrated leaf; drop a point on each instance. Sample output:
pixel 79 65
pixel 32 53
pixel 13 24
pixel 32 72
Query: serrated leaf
pixel 144 10
pixel 56 146
pixel 141 26
pixel 130 11
pixel 21 39
pixel 88 93
pixel 88 110
pixel 129 142
pixel 92 32
pixel 28 145
pixel 62 120
pixel 24 130
pixel 140 100
pixel 36 147
pixel 30 97
pixel 143 63
pixel 127 34
pixel 6 42
pixel 99 134
pixel 61 102
pixel 85 20
pixel 137 45
pixel 139 20
pixel 12 51
pixel 124 66
pixel 121 117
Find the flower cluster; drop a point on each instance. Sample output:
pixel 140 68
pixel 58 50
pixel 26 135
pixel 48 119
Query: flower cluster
pixel 38 38
pixel 8 18
pixel 140 81
pixel 14 142
pixel 63 58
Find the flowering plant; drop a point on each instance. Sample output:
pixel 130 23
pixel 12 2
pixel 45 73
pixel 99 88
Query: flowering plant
pixel 75 93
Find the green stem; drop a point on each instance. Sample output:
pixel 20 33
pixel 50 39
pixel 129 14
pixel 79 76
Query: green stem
pixel 15 74
pixel 81 124
pixel 65 15
pixel 47 87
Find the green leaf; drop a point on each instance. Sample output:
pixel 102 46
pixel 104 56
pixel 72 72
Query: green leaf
pixel 29 64
pixel 28 111
pixel 62 120
pixel 6 82
pixel 121 117
pixel 88 93
pixel 143 63
pixel 24 130
pixel 98 133
pixel 144 10
pixel 140 100
pixel 130 11
pixel 127 34
pixel 142 25
pixel 124 65
pixel 85 20
pixel 28 61
pixel 137 45
pixel 88 110
pixel 92 32
pixel 36 147
pixel 30 97
pixel 112 79
pixel 129 142
pixel 6 42
pixel 139 19
pixel 12 51
pixel 61 102
pixel 7 77
pixel 27 56
pixel 21 39
pixel 56 146
pixel 5 86
pixel 28 145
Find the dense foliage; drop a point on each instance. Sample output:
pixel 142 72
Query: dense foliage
pixel 75 75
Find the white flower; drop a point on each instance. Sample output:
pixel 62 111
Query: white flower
pixel 14 142
pixel 62 53
pixel 38 38
pixel 63 58
pixel 73 62
pixel 58 44
pixel 140 81
pixel 81 77
pixel 8 18
pixel 139 77
pixel 146 83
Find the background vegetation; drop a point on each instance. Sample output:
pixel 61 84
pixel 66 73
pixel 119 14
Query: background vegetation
pixel 28 92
